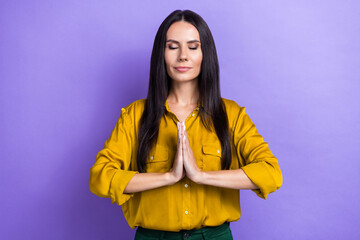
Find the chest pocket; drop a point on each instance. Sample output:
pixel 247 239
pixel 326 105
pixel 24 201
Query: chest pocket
pixel 211 157
pixel 158 160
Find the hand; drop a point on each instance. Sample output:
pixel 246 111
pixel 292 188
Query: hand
pixel 177 171
pixel 193 172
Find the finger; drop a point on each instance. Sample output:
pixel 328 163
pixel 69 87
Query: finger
pixel 186 143
pixel 186 139
pixel 183 129
pixel 182 149
pixel 183 136
pixel 178 131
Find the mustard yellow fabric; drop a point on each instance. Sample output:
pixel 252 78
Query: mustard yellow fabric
pixel 184 205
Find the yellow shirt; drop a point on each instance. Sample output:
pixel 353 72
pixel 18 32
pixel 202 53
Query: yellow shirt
pixel 184 205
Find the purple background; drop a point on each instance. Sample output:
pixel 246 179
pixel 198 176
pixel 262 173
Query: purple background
pixel 67 68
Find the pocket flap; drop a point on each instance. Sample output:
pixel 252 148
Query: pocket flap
pixel 212 149
pixel 161 154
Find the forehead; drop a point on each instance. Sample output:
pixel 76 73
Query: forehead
pixel 182 31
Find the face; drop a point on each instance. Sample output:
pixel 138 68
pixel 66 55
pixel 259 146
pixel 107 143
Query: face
pixel 183 55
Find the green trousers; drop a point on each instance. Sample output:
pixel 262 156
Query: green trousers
pixel 221 232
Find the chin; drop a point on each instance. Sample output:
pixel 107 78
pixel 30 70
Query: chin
pixel 184 78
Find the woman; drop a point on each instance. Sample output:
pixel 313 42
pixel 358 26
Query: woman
pixel 176 160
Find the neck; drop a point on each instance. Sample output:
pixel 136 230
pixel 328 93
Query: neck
pixel 184 93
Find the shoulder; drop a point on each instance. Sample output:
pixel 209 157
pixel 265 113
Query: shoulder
pixel 234 112
pixel 232 107
pixel 133 111
pixel 135 106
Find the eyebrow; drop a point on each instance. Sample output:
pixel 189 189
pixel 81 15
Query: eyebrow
pixel 174 41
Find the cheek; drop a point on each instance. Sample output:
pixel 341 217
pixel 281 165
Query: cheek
pixel 167 64
pixel 198 60
pixel 166 57
pixel 169 59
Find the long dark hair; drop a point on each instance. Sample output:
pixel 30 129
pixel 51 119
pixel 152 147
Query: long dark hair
pixel 212 110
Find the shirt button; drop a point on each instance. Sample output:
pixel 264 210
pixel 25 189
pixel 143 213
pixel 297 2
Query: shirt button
pixel 152 158
pixel 186 185
pixel 186 235
pixel 218 151
pixel 186 212
pixel 193 114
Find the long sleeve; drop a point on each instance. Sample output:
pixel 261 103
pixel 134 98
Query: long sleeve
pixel 110 174
pixel 256 159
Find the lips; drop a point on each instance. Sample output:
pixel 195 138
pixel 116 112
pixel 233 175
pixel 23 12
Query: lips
pixel 182 69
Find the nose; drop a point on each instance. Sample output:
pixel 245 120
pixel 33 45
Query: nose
pixel 183 55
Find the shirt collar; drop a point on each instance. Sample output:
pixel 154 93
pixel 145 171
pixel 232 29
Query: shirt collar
pixel 167 105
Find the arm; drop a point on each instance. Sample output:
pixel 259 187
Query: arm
pixel 259 168
pixel 256 159
pixel 236 179
pixel 110 175
pixel 145 181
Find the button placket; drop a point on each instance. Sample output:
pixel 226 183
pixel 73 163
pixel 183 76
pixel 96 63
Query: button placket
pixel 186 205
pixel 191 118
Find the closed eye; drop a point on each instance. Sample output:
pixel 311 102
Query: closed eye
pixel 193 46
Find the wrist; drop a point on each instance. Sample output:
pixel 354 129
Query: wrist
pixel 170 178
pixel 200 177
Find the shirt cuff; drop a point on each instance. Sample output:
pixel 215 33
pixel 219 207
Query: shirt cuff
pixel 261 176
pixel 118 184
